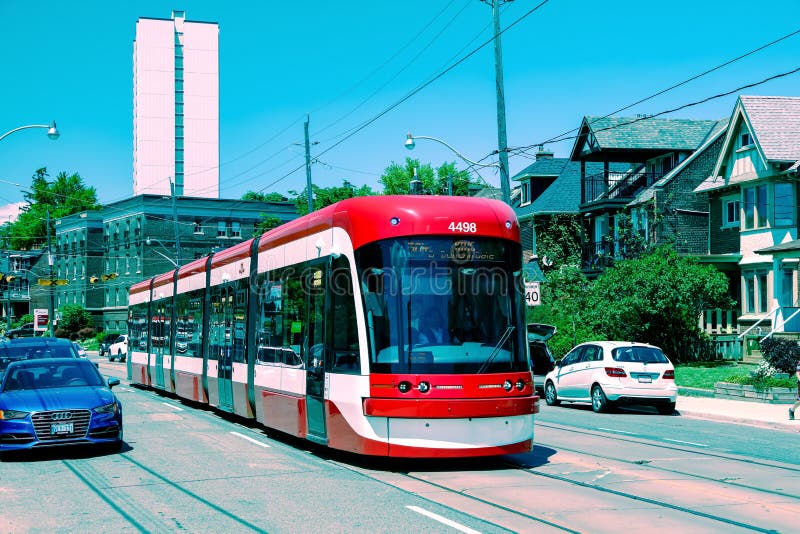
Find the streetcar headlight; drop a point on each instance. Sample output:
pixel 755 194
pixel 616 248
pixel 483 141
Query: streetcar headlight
pixel 507 385
pixel 394 221
pixel 404 386
pixel 520 384
pixel 508 225
pixel 424 387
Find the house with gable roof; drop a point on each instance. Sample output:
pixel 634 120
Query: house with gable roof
pixel 549 191
pixel 753 219
pixel 652 197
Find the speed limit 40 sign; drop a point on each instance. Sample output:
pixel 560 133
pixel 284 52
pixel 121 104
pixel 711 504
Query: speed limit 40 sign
pixel 532 295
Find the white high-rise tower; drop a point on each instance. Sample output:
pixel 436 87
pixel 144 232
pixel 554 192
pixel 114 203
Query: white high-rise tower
pixel 176 107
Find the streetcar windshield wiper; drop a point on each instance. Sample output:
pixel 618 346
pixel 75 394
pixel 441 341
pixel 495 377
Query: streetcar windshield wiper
pixel 496 350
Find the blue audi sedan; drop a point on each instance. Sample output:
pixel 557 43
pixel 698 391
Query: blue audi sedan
pixel 58 401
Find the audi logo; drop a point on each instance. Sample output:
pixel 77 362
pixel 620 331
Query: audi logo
pixel 61 416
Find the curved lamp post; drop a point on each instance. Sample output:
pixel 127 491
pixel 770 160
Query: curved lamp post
pixel 411 143
pixel 52 131
pixel 150 240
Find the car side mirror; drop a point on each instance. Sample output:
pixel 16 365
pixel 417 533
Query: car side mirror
pixel 113 382
pixel 558 363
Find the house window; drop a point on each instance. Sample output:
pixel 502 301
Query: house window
pixel 236 229
pixel 755 207
pixel 222 230
pixel 525 192
pixel 731 216
pixel 784 204
pixel 198 228
pixel 746 139
pixel 756 291
pixel 639 221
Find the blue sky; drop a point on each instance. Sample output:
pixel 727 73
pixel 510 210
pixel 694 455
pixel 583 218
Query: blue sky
pixel 347 62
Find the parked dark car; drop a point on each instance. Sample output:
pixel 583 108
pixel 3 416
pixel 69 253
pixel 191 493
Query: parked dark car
pixel 541 358
pixel 58 401
pixel 106 343
pixel 25 330
pixel 27 348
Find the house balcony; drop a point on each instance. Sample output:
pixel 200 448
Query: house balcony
pixel 616 187
pixel 598 255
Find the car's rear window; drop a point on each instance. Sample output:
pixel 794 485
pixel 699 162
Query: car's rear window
pixel 639 354
pixel 11 353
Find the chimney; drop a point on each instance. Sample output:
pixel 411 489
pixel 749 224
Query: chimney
pixel 543 154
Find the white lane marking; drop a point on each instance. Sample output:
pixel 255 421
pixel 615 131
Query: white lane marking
pixel 686 442
pixel 616 431
pixel 248 438
pixel 457 526
pixel 176 408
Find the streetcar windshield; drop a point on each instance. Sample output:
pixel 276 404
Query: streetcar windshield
pixel 446 306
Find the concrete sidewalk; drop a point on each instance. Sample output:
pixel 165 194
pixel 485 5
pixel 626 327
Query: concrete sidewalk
pixel 744 412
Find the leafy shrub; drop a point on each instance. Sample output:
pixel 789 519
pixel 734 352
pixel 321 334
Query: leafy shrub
pixel 761 383
pixel 103 335
pixel 85 333
pixel 781 354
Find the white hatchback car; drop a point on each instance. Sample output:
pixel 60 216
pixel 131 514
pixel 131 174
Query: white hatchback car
pixel 607 373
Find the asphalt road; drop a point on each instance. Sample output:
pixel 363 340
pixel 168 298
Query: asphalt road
pixel 189 469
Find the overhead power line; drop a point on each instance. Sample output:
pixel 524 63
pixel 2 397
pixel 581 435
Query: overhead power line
pixel 667 111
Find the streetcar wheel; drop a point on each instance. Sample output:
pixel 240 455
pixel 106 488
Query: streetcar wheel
pixel 550 395
pixel 599 401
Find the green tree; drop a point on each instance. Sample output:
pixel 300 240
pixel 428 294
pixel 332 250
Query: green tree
pixel 269 222
pixel 396 179
pixel 325 196
pixel 66 195
pixel 657 299
pixel 558 238
pixel 264 197
pixel 565 298
pixel 74 319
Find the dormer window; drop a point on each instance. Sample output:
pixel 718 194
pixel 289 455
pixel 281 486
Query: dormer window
pixel 746 139
pixel 525 192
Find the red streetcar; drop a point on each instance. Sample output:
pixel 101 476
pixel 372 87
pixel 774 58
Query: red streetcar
pixel 387 326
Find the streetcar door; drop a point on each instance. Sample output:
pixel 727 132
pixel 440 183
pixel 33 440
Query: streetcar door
pixel 315 354
pixel 225 349
pixel 160 340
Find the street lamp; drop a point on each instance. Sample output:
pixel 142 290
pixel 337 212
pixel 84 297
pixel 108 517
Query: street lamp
pixel 149 241
pixel 52 131
pixel 411 143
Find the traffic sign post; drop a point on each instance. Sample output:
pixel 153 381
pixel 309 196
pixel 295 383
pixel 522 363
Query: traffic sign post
pixel 533 296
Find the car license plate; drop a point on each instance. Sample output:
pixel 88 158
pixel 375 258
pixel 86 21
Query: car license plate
pixel 645 379
pixel 61 428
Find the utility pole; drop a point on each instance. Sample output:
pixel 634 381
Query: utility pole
pixel 309 193
pixel 175 222
pixel 502 141
pixel 51 317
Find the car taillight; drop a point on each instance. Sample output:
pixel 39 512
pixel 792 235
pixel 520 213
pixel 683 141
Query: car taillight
pixel 669 374
pixel 616 372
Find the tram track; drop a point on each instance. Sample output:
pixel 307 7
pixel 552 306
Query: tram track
pixel 700 453
pixel 507 516
pixel 449 489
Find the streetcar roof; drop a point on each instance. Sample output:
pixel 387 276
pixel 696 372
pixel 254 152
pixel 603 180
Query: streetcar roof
pixel 371 218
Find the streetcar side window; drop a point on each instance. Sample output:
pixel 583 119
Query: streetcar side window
pixel 137 327
pixel 161 325
pixel 343 328
pixel 227 320
pixel 188 337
